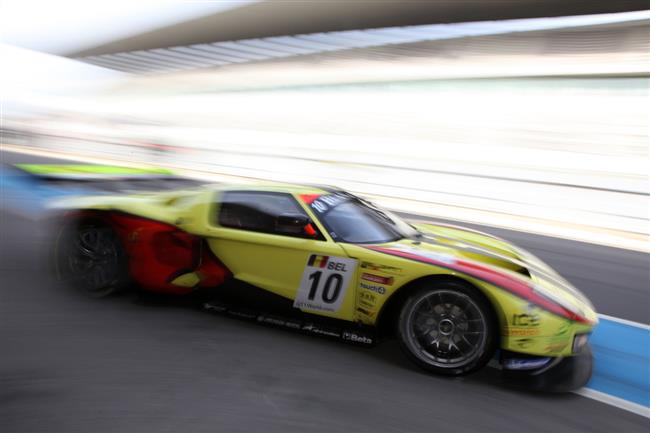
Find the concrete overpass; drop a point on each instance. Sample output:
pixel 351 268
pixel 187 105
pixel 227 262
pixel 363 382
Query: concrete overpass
pixel 281 17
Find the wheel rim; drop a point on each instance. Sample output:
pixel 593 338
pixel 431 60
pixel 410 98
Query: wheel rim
pixel 446 329
pixel 93 259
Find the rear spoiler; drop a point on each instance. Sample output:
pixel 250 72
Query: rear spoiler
pixel 109 178
pixel 92 172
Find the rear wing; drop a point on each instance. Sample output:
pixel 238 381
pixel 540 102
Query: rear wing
pixel 106 178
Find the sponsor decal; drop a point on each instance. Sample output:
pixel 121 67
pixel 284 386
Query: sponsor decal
pixel 357 338
pixel 367 313
pixel 521 332
pixel 447 259
pixel 388 281
pixel 352 336
pixel 243 314
pixel 557 343
pixel 525 320
pixel 324 283
pixel 524 343
pixel 313 328
pixel 525 364
pixel 381 268
pixel 217 308
pixel 279 321
pixel 556 346
pixel 563 329
pixel 324 262
pixel 367 300
pixel 373 288
pixel 324 203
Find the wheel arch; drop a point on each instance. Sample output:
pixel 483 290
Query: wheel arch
pixel 76 216
pixel 390 310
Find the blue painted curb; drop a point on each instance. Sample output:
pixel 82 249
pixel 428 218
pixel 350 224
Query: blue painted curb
pixel 26 194
pixel 621 361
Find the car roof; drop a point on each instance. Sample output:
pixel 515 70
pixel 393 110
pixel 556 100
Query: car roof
pixel 266 186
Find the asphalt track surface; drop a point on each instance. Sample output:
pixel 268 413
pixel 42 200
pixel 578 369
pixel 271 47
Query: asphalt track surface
pixel 131 364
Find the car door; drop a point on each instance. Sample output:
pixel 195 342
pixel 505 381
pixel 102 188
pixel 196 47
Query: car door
pixel 311 270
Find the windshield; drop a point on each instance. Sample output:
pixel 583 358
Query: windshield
pixel 351 219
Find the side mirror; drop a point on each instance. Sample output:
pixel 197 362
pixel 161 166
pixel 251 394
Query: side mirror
pixel 296 224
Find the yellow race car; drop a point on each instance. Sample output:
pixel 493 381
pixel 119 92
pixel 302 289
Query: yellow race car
pixel 324 261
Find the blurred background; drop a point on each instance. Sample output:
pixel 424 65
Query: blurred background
pixel 529 119
pixel 530 115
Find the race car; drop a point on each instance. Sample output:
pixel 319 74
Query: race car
pixel 322 260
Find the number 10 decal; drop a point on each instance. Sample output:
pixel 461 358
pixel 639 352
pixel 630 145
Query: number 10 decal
pixel 328 294
pixel 324 283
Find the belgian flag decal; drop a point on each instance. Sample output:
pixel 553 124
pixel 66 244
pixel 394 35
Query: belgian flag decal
pixel 317 261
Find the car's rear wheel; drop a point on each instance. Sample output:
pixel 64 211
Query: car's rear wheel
pixel 447 327
pixel 89 256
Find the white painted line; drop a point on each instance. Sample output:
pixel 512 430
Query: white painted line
pixel 614 401
pixel 625 322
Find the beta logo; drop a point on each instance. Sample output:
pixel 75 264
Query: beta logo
pixel 356 338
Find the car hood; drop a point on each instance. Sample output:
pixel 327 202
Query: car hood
pixel 481 247
pixel 459 248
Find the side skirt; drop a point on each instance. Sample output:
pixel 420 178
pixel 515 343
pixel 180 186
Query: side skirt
pixel 347 332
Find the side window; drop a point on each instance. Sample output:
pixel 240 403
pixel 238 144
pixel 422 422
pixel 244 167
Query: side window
pixel 259 212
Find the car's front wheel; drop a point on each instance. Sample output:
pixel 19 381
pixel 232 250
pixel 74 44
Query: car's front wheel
pixel 89 256
pixel 447 327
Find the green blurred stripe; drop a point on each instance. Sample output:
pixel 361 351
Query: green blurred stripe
pixel 63 169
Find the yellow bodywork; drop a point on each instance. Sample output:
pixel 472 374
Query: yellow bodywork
pixel 278 264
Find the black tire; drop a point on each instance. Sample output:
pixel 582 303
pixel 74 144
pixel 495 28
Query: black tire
pixel 89 256
pixel 447 327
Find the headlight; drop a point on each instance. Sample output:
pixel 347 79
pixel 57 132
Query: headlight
pixel 579 341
